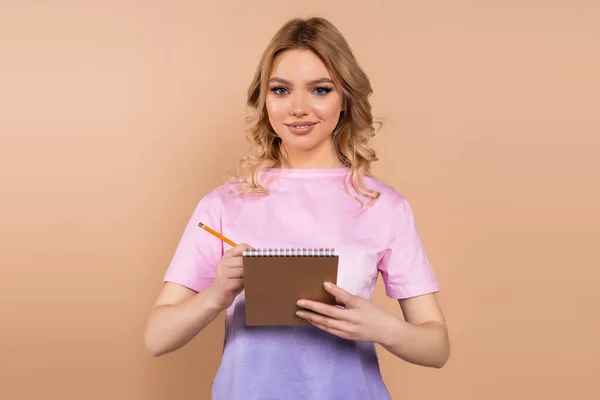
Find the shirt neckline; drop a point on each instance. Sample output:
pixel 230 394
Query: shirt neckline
pixel 308 172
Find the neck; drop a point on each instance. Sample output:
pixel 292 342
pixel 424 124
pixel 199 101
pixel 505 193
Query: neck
pixel 319 158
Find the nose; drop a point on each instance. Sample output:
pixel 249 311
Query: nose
pixel 300 106
pixel 299 113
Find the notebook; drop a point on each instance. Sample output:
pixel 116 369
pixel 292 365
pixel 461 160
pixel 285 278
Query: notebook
pixel 275 279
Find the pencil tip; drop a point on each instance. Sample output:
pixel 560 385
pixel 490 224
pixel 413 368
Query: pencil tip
pixel 200 224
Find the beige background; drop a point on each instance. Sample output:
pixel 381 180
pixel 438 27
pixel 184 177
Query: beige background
pixel 117 116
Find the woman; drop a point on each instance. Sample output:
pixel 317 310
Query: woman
pixel 306 184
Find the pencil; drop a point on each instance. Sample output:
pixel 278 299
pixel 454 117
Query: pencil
pixel 217 234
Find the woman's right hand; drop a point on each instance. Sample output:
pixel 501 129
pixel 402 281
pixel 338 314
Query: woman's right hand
pixel 229 276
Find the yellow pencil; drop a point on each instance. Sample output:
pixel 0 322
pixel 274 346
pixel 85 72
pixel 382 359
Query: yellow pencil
pixel 217 234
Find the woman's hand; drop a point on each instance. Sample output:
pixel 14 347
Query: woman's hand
pixel 359 319
pixel 229 277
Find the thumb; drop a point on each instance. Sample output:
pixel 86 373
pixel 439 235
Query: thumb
pixel 340 294
pixel 238 250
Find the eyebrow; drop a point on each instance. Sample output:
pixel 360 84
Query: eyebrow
pixel 315 82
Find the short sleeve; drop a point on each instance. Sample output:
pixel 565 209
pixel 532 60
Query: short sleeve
pixel 194 262
pixel 404 267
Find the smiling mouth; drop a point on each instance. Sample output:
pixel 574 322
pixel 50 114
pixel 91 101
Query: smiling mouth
pixel 301 126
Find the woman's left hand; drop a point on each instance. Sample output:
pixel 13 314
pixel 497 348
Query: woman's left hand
pixel 359 319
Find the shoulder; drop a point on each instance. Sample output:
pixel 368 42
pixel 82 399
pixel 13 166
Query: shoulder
pixel 219 194
pixel 214 199
pixel 389 197
pixel 213 203
pixel 223 195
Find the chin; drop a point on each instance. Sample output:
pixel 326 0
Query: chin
pixel 303 143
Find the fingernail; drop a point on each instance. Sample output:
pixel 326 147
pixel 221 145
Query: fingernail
pixel 300 313
pixel 327 285
pixel 301 303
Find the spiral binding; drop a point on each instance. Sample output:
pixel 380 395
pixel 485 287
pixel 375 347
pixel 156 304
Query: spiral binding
pixel 294 252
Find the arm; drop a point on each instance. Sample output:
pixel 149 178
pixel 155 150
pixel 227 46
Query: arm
pixel 178 315
pixel 422 338
pixel 181 313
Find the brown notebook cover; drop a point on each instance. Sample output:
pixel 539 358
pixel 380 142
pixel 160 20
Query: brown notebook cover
pixel 275 280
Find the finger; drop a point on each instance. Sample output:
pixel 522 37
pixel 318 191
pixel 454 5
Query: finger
pixel 322 320
pixel 340 294
pixel 237 250
pixel 238 283
pixel 336 332
pixel 233 262
pixel 234 273
pixel 234 282
pixel 325 309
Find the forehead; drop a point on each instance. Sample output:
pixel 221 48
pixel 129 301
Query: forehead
pixel 299 65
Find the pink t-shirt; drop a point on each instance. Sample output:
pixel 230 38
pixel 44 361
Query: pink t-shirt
pixel 305 208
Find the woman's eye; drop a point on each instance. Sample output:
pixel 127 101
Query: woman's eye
pixel 279 90
pixel 321 91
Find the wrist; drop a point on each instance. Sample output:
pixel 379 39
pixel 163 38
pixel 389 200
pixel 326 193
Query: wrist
pixel 392 332
pixel 215 300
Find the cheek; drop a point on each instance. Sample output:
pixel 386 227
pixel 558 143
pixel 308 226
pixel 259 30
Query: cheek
pixel 328 110
pixel 276 108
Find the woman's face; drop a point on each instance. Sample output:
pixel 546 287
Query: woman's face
pixel 304 106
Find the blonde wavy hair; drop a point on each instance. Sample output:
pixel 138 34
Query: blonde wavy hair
pixel 354 132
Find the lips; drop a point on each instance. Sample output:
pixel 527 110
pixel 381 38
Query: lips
pixel 300 128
